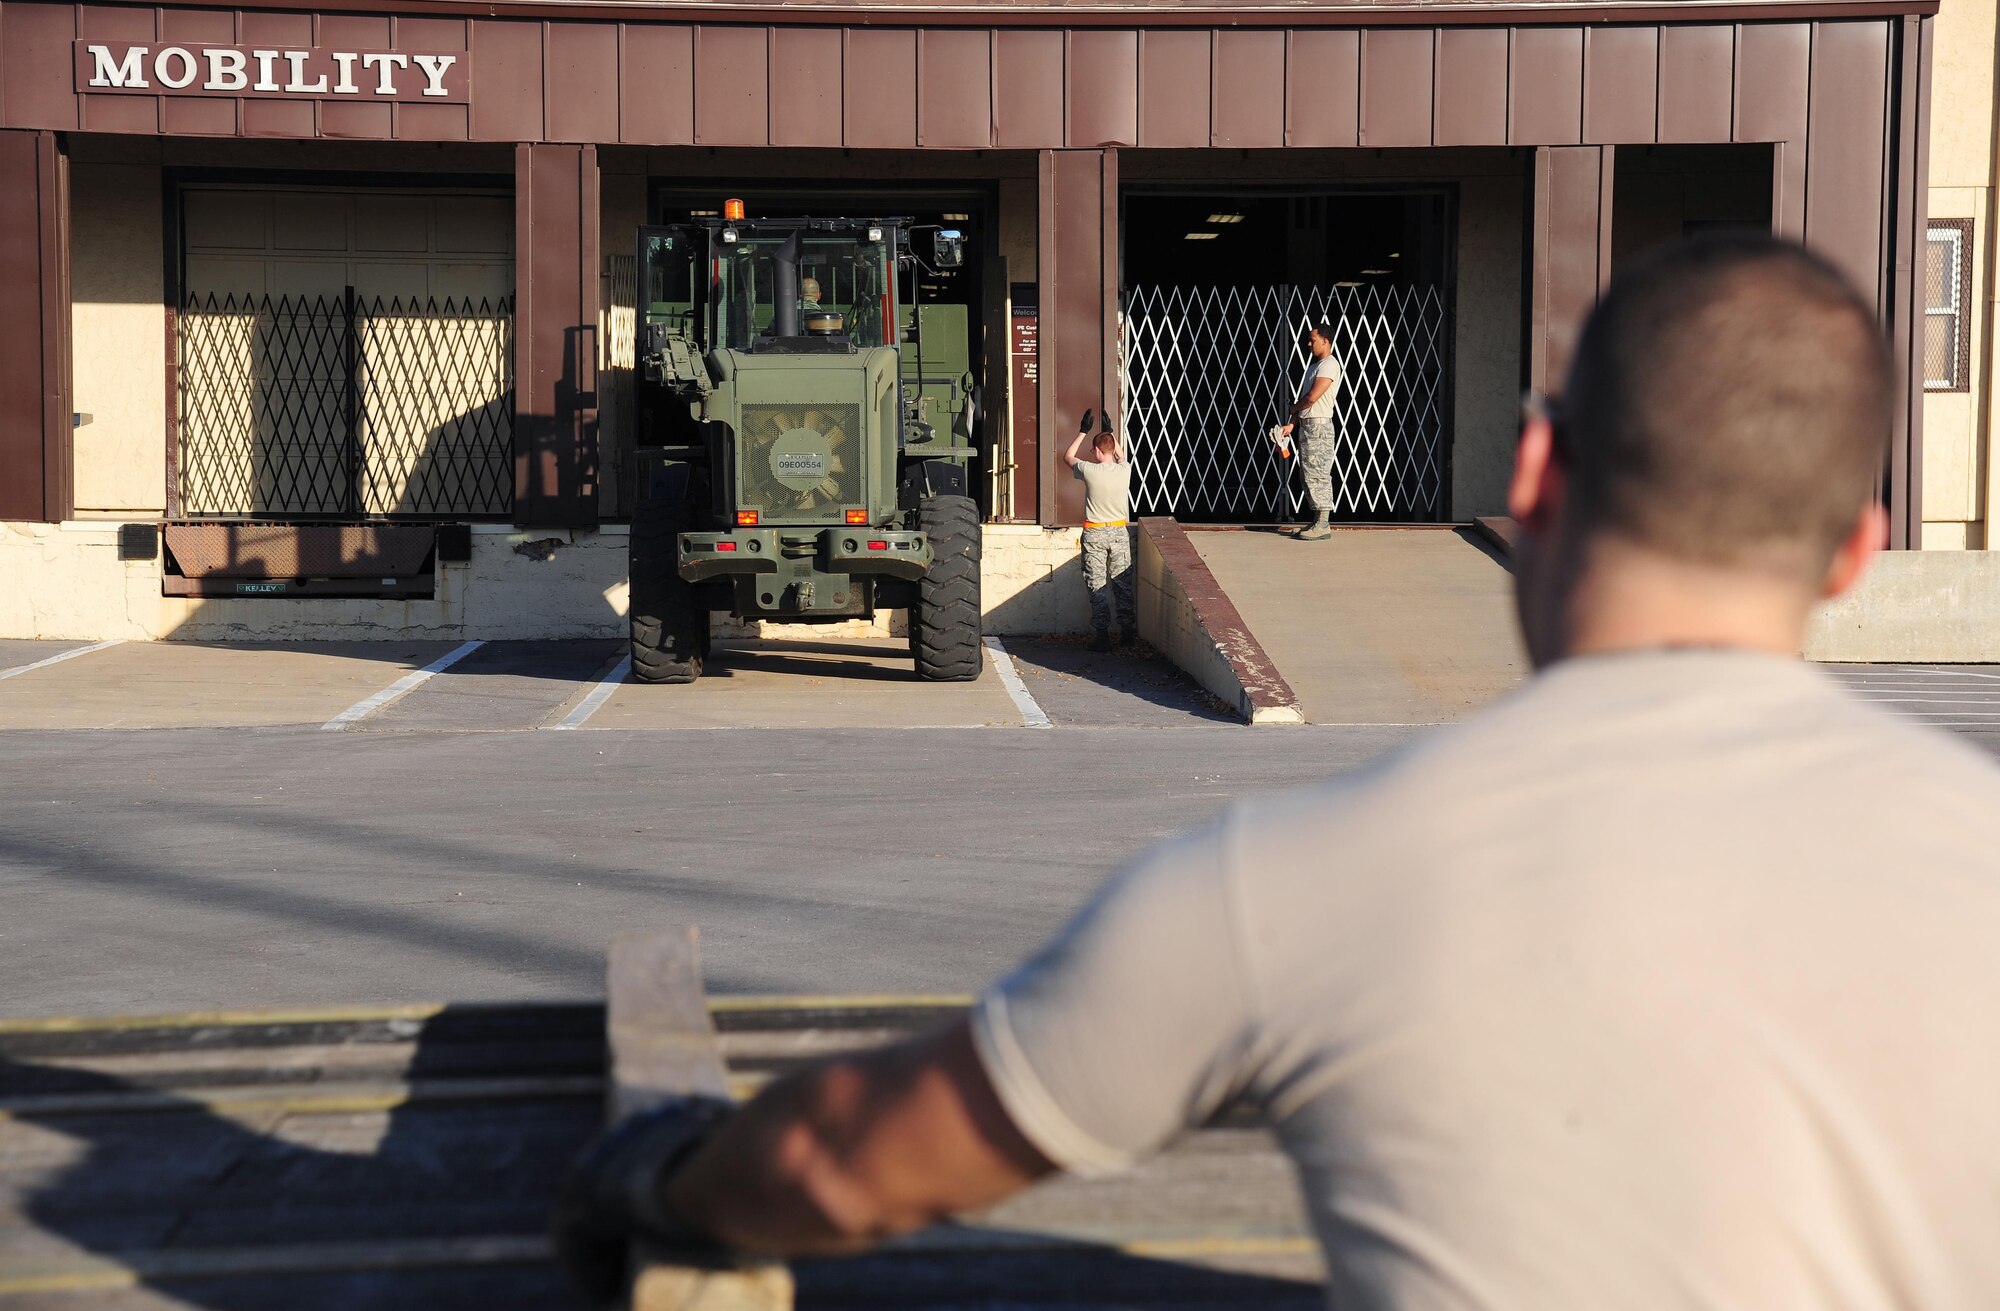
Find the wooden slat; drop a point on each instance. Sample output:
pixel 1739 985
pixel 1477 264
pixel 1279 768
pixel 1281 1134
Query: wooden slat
pixel 662 1045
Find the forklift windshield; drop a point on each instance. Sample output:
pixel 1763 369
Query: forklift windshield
pixel 769 286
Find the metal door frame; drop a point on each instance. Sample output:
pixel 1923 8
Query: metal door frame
pixel 1445 190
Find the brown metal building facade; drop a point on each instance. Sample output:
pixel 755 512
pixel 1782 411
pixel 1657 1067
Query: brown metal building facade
pixel 1074 96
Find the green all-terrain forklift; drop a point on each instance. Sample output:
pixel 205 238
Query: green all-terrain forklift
pixel 802 456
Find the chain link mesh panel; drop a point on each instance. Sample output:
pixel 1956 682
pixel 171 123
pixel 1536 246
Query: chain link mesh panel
pixel 338 406
pixel 1206 371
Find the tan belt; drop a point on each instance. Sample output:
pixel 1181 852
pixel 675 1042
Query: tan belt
pixel 1108 523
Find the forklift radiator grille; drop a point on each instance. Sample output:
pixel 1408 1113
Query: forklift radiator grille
pixel 801 463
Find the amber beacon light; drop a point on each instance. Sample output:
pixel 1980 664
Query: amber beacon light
pixel 732 210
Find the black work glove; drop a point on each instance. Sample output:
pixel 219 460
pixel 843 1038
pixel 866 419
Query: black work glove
pixel 611 1195
pixel 1104 425
pixel 1088 415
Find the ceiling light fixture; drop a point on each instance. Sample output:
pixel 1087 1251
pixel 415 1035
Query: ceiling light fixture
pixel 1225 218
pixel 1203 236
pixel 958 218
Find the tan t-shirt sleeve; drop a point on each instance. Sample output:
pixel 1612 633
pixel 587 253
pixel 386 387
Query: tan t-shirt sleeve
pixel 1135 1023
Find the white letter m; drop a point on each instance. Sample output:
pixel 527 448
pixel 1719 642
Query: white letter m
pixel 128 73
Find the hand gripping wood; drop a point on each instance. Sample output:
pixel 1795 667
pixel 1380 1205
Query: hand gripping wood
pixel 662 1044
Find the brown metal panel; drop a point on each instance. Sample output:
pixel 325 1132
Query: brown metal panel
pixel 1028 106
pixel 656 86
pixel 277 118
pixel 1079 291
pixel 583 82
pixel 880 105
pixel 1773 63
pixel 1322 88
pixel 1788 189
pixel 190 116
pixel 1546 87
pixel 555 335
pixel 1471 95
pixel 1174 70
pixel 37 88
pixel 1910 169
pixel 34 304
pixel 1249 97
pixel 1103 80
pixel 1621 69
pixel 1396 87
pixel 1697 81
pixel 1571 253
pixel 732 102
pixel 117 113
pixel 506 80
pixel 337 118
pixel 417 122
pixel 955 89
pixel 21 452
pixel 1029 88
pixel 1845 148
pixel 806 83
pixel 420 122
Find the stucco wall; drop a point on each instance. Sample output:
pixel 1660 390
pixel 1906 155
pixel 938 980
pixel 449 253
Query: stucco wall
pixel 1960 480
pixel 1487 343
pixel 119 330
pixel 66 581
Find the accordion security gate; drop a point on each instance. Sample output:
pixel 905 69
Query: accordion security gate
pixel 1206 371
pixel 345 407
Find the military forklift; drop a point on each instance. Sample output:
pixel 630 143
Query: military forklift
pixel 799 458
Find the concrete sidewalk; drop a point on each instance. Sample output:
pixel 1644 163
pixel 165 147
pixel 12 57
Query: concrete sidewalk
pixel 1375 626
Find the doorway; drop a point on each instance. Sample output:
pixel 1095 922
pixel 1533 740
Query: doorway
pixel 1220 291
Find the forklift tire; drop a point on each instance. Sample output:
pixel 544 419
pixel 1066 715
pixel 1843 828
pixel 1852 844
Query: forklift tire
pixel 944 623
pixel 669 630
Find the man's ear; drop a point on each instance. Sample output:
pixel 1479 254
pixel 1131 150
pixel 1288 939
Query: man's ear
pixel 1535 494
pixel 1850 559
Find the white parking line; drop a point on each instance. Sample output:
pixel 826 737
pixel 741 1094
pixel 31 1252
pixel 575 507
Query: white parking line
pixel 58 659
pixel 1901 671
pixel 360 710
pixel 598 695
pixel 1032 714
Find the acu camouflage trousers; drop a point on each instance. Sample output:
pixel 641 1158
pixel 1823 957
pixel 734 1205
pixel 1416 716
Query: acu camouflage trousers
pixel 1108 573
pixel 1314 440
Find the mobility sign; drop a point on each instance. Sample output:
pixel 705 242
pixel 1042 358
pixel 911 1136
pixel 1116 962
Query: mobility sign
pixel 279 72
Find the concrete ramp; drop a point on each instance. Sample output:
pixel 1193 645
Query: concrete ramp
pixel 1375 626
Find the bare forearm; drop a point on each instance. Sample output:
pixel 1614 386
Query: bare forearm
pixel 1076 444
pixel 849 1153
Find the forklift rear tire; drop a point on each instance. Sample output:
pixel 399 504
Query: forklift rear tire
pixel 669 630
pixel 944 623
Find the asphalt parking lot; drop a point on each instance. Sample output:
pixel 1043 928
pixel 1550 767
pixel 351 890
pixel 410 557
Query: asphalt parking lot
pixel 498 687
pixel 477 821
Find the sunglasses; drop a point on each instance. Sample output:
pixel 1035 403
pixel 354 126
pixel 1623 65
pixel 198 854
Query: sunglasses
pixel 1534 405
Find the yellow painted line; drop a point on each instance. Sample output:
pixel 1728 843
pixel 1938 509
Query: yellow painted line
pixel 429 1010
pixel 128 1269
pixel 217 1019
pixel 863 1001
pixel 288 1100
pixel 1186 1247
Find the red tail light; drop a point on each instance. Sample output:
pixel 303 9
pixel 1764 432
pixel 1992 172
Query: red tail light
pixel 725 546
pixel 878 546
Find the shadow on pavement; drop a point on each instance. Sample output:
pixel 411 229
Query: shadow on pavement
pixel 357 1165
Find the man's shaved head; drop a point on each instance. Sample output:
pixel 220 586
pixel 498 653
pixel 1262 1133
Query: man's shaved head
pixel 1729 405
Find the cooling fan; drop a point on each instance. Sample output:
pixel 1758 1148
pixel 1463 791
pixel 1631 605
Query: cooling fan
pixel 796 458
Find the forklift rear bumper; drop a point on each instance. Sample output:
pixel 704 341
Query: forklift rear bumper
pixel 838 550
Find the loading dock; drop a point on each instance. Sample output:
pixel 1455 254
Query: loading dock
pixel 1538 148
